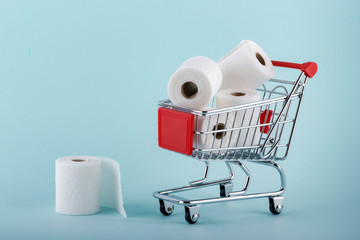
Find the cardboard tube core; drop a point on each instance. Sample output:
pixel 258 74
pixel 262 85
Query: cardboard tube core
pixel 238 94
pixel 260 59
pixel 78 160
pixel 189 90
pixel 219 135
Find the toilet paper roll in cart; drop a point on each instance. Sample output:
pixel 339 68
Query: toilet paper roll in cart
pixel 273 117
pixel 195 83
pixel 234 97
pixel 247 66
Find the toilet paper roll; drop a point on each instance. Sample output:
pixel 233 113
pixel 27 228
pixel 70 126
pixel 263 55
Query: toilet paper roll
pixel 235 96
pixel 215 122
pixel 195 83
pixel 84 183
pixel 243 118
pixel 246 66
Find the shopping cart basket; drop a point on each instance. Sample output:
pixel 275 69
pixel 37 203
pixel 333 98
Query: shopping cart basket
pixel 259 132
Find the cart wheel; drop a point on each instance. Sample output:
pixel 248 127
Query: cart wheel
pixel 166 208
pixel 192 214
pixel 276 205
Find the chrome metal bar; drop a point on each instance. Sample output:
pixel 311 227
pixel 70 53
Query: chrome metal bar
pixel 203 184
pixel 239 128
pixel 232 132
pixel 282 81
pixel 296 116
pixel 247 181
pixel 222 138
pixel 187 202
pixel 204 177
pixel 167 104
pixel 281 127
pixel 276 143
pixel 287 101
pixel 280 171
pixel 238 148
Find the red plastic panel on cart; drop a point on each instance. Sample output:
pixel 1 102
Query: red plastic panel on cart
pixel 265 114
pixel 175 130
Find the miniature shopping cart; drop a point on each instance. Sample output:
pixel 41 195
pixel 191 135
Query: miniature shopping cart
pixel 265 127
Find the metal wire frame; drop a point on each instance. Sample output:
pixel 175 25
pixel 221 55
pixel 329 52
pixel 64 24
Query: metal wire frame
pixel 167 195
pixel 283 97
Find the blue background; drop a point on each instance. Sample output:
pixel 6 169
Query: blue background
pixel 84 78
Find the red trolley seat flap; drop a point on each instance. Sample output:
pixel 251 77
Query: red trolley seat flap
pixel 175 130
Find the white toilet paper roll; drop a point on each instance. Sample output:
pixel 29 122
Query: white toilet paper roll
pixel 246 66
pixel 84 183
pixel 215 122
pixel 235 96
pixel 195 83
pixel 248 136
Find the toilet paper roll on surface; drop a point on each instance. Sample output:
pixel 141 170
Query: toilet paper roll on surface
pixel 85 183
pixel 243 118
pixel 217 140
pixel 195 83
pixel 246 66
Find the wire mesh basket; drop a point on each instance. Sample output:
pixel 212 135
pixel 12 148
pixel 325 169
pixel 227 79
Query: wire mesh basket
pixel 259 132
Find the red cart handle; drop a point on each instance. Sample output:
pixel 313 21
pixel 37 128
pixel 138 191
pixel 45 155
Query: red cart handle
pixel 309 68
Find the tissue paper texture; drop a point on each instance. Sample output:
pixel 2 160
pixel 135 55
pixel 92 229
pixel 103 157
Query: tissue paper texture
pixel 85 183
pixel 236 96
pixel 195 83
pixel 246 66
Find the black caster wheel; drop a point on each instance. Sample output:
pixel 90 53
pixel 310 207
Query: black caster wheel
pixel 166 208
pixel 191 217
pixel 276 205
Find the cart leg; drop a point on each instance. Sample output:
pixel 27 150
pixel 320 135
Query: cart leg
pixel 247 172
pixel 204 177
pixel 276 204
pixel 202 181
pixel 280 171
pixel 192 213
